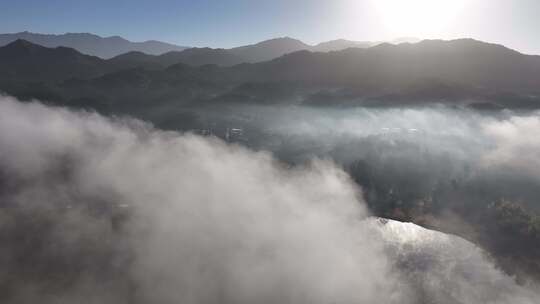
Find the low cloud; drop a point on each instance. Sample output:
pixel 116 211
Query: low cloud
pixel 100 210
pixel 517 144
pixel 205 222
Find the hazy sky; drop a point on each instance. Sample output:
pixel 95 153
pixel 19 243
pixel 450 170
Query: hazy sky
pixel 226 23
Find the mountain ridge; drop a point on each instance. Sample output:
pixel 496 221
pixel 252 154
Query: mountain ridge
pixel 22 60
pixel 91 44
pixel 430 70
pixel 113 46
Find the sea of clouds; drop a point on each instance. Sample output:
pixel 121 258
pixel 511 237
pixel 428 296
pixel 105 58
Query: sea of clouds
pixel 111 210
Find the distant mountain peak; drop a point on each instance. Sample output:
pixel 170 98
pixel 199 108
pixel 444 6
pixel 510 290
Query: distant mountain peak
pixel 279 42
pixel 467 44
pixel 340 44
pixel 269 49
pixel 405 40
pixel 22 44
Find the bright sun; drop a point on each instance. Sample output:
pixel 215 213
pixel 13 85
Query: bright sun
pixel 421 18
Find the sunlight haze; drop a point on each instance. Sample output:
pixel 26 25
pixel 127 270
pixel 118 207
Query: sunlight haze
pixel 225 24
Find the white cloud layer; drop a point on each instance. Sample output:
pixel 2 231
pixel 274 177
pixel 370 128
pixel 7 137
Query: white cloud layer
pixel 517 143
pixel 133 214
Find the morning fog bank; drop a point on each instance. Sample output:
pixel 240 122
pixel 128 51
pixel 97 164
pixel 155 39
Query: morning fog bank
pixel 111 210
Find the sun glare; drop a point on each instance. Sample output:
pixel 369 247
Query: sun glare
pixel 421 18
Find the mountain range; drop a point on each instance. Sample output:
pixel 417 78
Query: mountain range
pixel 430 70
pixel 104 47
pixel 109 47
pixel 260 52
